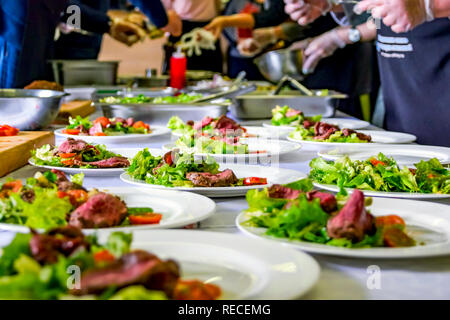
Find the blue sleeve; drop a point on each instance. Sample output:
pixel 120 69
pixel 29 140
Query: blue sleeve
pixel 153 9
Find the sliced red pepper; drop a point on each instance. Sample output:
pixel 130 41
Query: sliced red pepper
pixel 141 124
pixel 104 256
pixel 395 237
pixel 196 290
pixel 251 181
pixel 67 155
pixel 376 162
pixel 147 218
pixel 388 221
pixel 6 130
pixel 104 121
pixel 68 162
pixel 71 131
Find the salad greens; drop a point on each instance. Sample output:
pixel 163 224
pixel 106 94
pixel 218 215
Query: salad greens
pixel 103 126
pixel 179 126
pixel 285 116
pixel 153 170
pixel 212 145
pixel 22 277
pixel 382 173
pixel 301 133
pixel 181 98
pixel 301 219
pixel 46 210
pixel 48 156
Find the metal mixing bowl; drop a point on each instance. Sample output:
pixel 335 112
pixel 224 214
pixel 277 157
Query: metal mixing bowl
pixel 29 109
pixel 85 72
pixel 273 65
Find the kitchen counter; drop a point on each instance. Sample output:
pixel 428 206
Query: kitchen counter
pixel 341 278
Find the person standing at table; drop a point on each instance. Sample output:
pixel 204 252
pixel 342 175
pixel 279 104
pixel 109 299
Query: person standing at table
pixel 194 14
pixel 413 45
pixel 28 29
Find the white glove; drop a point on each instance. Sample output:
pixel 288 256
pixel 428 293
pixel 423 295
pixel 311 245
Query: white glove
pixel 400 15
pixel 265 36
pixel 318 48
pixel 306 11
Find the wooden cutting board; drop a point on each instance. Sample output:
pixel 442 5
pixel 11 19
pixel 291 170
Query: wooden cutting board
pixel 74 108
pixel 15 151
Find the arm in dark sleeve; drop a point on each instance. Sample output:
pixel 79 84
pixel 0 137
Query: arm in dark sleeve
pixel 92 19
pixel 153 9
pixel 273 16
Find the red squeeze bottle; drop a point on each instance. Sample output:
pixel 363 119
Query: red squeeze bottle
pixel 178 64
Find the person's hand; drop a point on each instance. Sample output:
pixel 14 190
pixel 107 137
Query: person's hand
pixel 306 11
pixel 265 36
pixel 126 32
pixel 249 47
pixel 400 15
pixel 216 26
pixel 318 48
pixel 175 25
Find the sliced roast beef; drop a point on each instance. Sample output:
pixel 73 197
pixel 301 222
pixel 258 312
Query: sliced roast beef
pixel 96 129
pixel 353 221
pixel 323 131
pixel 308 124
pixel 101 210
pixel 72 146
pixel 135 268
pixel 206 179
pixel 361 136
pixel 64 184
pixel 116 120
pixel 46 248
pixel 327 201
pixel 280 192
pixel 130 122
pixel 224 124
pixel 113 162
pixel 293 112
pixel 203 123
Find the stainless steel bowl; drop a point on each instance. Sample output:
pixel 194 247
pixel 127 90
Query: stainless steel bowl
pixel 273 65
pixel 29 109
pixel 85 72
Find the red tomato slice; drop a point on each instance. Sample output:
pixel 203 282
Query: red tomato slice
pixel 196 290
pixel 148 218
pixel 387 221
pixel 103 121
pixel 104 256
pixel 376 162
pixel 251 181
pixel 71 131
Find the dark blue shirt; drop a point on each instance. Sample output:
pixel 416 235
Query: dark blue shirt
pixel 415 77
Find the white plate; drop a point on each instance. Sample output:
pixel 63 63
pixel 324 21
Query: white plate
pixel 378 137
pixel 253 130
pixel 156 131
pixel 272 147
pixel 425 221
pixel 405 155
pixel 273 175
pixel 368 193
pixel 105 172
pixel 243 268
pixel 340 122
pixel 176 207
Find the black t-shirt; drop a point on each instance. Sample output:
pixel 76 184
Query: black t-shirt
pixel 415 76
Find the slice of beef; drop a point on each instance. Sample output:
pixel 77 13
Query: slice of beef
pixel 323 131
pixel 224 124
pixel 116 120
pixel 308 124
pixel 130 122
pixel 46 247
pixel 113 162
pixel 203 123
pixel 95 129
pixel 102 210
pixel 64 184
pixel 72 146
pixel 361 136
pixel 281 192
pixel 135 268
pixel 353 221
pixel 327 201
pixel 293 112
pixel 206 179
